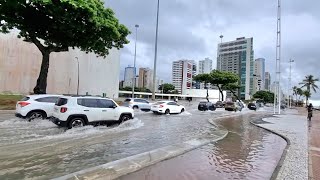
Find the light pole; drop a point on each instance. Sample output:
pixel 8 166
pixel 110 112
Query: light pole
pixel 290 88
pixel 220 59
pixel 78 76
pixel 155 56
pixel 134 61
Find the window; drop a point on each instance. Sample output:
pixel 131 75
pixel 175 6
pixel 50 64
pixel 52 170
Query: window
pixel 138 100
pixel 47 99
pixel 25 98
pixel 172 103
pixel 61 101
pixel 88 102
pixel 104 103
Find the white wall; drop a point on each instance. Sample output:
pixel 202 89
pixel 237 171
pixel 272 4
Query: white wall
pixel 213 94
pixel 20 65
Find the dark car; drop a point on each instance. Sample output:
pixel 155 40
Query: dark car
pixel 219 104
pixel 252 106
pixel 205 106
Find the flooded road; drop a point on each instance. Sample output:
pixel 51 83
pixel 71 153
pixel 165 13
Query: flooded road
pixel 41 150
pixel 247 152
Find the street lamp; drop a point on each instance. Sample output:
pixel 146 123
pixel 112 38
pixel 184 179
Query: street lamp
pixel 78 76
pixel 134 61
pixel 290 88
pixel 155 56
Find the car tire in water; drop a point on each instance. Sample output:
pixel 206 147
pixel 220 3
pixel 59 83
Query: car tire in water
pixel 76 122
pixel 124 118
pixel 36 115
pixel 135 107
pixel 167 111
pixel 182 110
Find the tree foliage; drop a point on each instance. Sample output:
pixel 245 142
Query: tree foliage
pixel 266 96
pixel 167 88
pixel 56 25
pixel 310 83
pixel 220 79
pixel 203 78
pixel 136 89
pixel 223 78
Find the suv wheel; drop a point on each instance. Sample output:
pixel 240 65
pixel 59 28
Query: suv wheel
pixel 182 110
pixel 124 118
pixel 135 107
pixel 76 122
pixel 36 115
pixel 167 111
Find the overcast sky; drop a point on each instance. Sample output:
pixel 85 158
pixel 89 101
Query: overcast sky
pixel 190 29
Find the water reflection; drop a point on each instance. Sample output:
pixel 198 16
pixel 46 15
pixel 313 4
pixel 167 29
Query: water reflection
pixel 247 152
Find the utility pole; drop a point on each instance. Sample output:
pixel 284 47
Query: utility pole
pixel 155 56
pixel 134 62
pixel 290 88
pixel 277 97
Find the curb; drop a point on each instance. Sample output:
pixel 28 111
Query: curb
pixel 284 154
pixel 118 168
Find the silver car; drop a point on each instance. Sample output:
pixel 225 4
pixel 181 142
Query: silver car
pixel 137 103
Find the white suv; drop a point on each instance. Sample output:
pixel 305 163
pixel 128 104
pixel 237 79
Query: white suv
pixel 36 106
pixel 75 111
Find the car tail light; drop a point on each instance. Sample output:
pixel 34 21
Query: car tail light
pixel 161 106
pixel 63 109
pixel 23 103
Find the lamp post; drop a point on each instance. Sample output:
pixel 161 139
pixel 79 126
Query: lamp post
pixel 134 61
pixel 290 88
pixel 78 76
pixel 155 55
pixel 220 59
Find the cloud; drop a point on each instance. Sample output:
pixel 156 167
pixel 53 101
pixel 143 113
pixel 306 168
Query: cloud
pixel 190 29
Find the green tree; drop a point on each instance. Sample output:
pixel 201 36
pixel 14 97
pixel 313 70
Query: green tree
pixel 57 25
pixel 222 78
pixel 299 92
pixel 232 87
pixel 167 88
pixel 306 94
pixel 310 83
pixel 203 78
pixel 266 96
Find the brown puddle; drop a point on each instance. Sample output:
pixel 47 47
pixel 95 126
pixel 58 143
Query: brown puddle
pixel 247 152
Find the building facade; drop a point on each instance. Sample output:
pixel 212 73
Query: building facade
pixel 205 66
pixel 145 78
pixel 182 72
pixel 20 66
pixel 259 74
pixel 237 57
pixel 267 82
pixel 129 74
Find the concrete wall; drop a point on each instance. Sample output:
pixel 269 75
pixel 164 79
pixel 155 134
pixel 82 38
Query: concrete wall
pixel 213 94
pixel 20 65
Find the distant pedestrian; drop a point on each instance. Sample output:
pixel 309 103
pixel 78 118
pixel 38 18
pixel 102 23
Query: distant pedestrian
pixel 310 111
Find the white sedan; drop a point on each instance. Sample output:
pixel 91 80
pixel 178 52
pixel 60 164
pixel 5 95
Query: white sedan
pixel 167 107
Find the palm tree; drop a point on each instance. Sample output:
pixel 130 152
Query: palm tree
pixel 310 83
pixel 306 94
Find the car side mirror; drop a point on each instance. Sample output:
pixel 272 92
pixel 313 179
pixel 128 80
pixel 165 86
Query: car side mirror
pixel 114 106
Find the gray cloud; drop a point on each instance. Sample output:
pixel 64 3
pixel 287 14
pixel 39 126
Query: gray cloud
pixel 190 30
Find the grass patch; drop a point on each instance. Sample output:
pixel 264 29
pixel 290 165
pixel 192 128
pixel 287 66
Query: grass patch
pixel 8 102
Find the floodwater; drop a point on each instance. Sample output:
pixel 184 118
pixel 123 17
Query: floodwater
pixel 247 152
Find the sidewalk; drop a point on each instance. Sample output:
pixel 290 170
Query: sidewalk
pixel 293 125
pixel 314 146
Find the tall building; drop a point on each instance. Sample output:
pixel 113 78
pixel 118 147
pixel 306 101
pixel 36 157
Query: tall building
pixel 129 74
pixel 205 66
pixel 259 74
pixel 237 57
pixel 182 72
pixel 145 78
pixel 267 82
